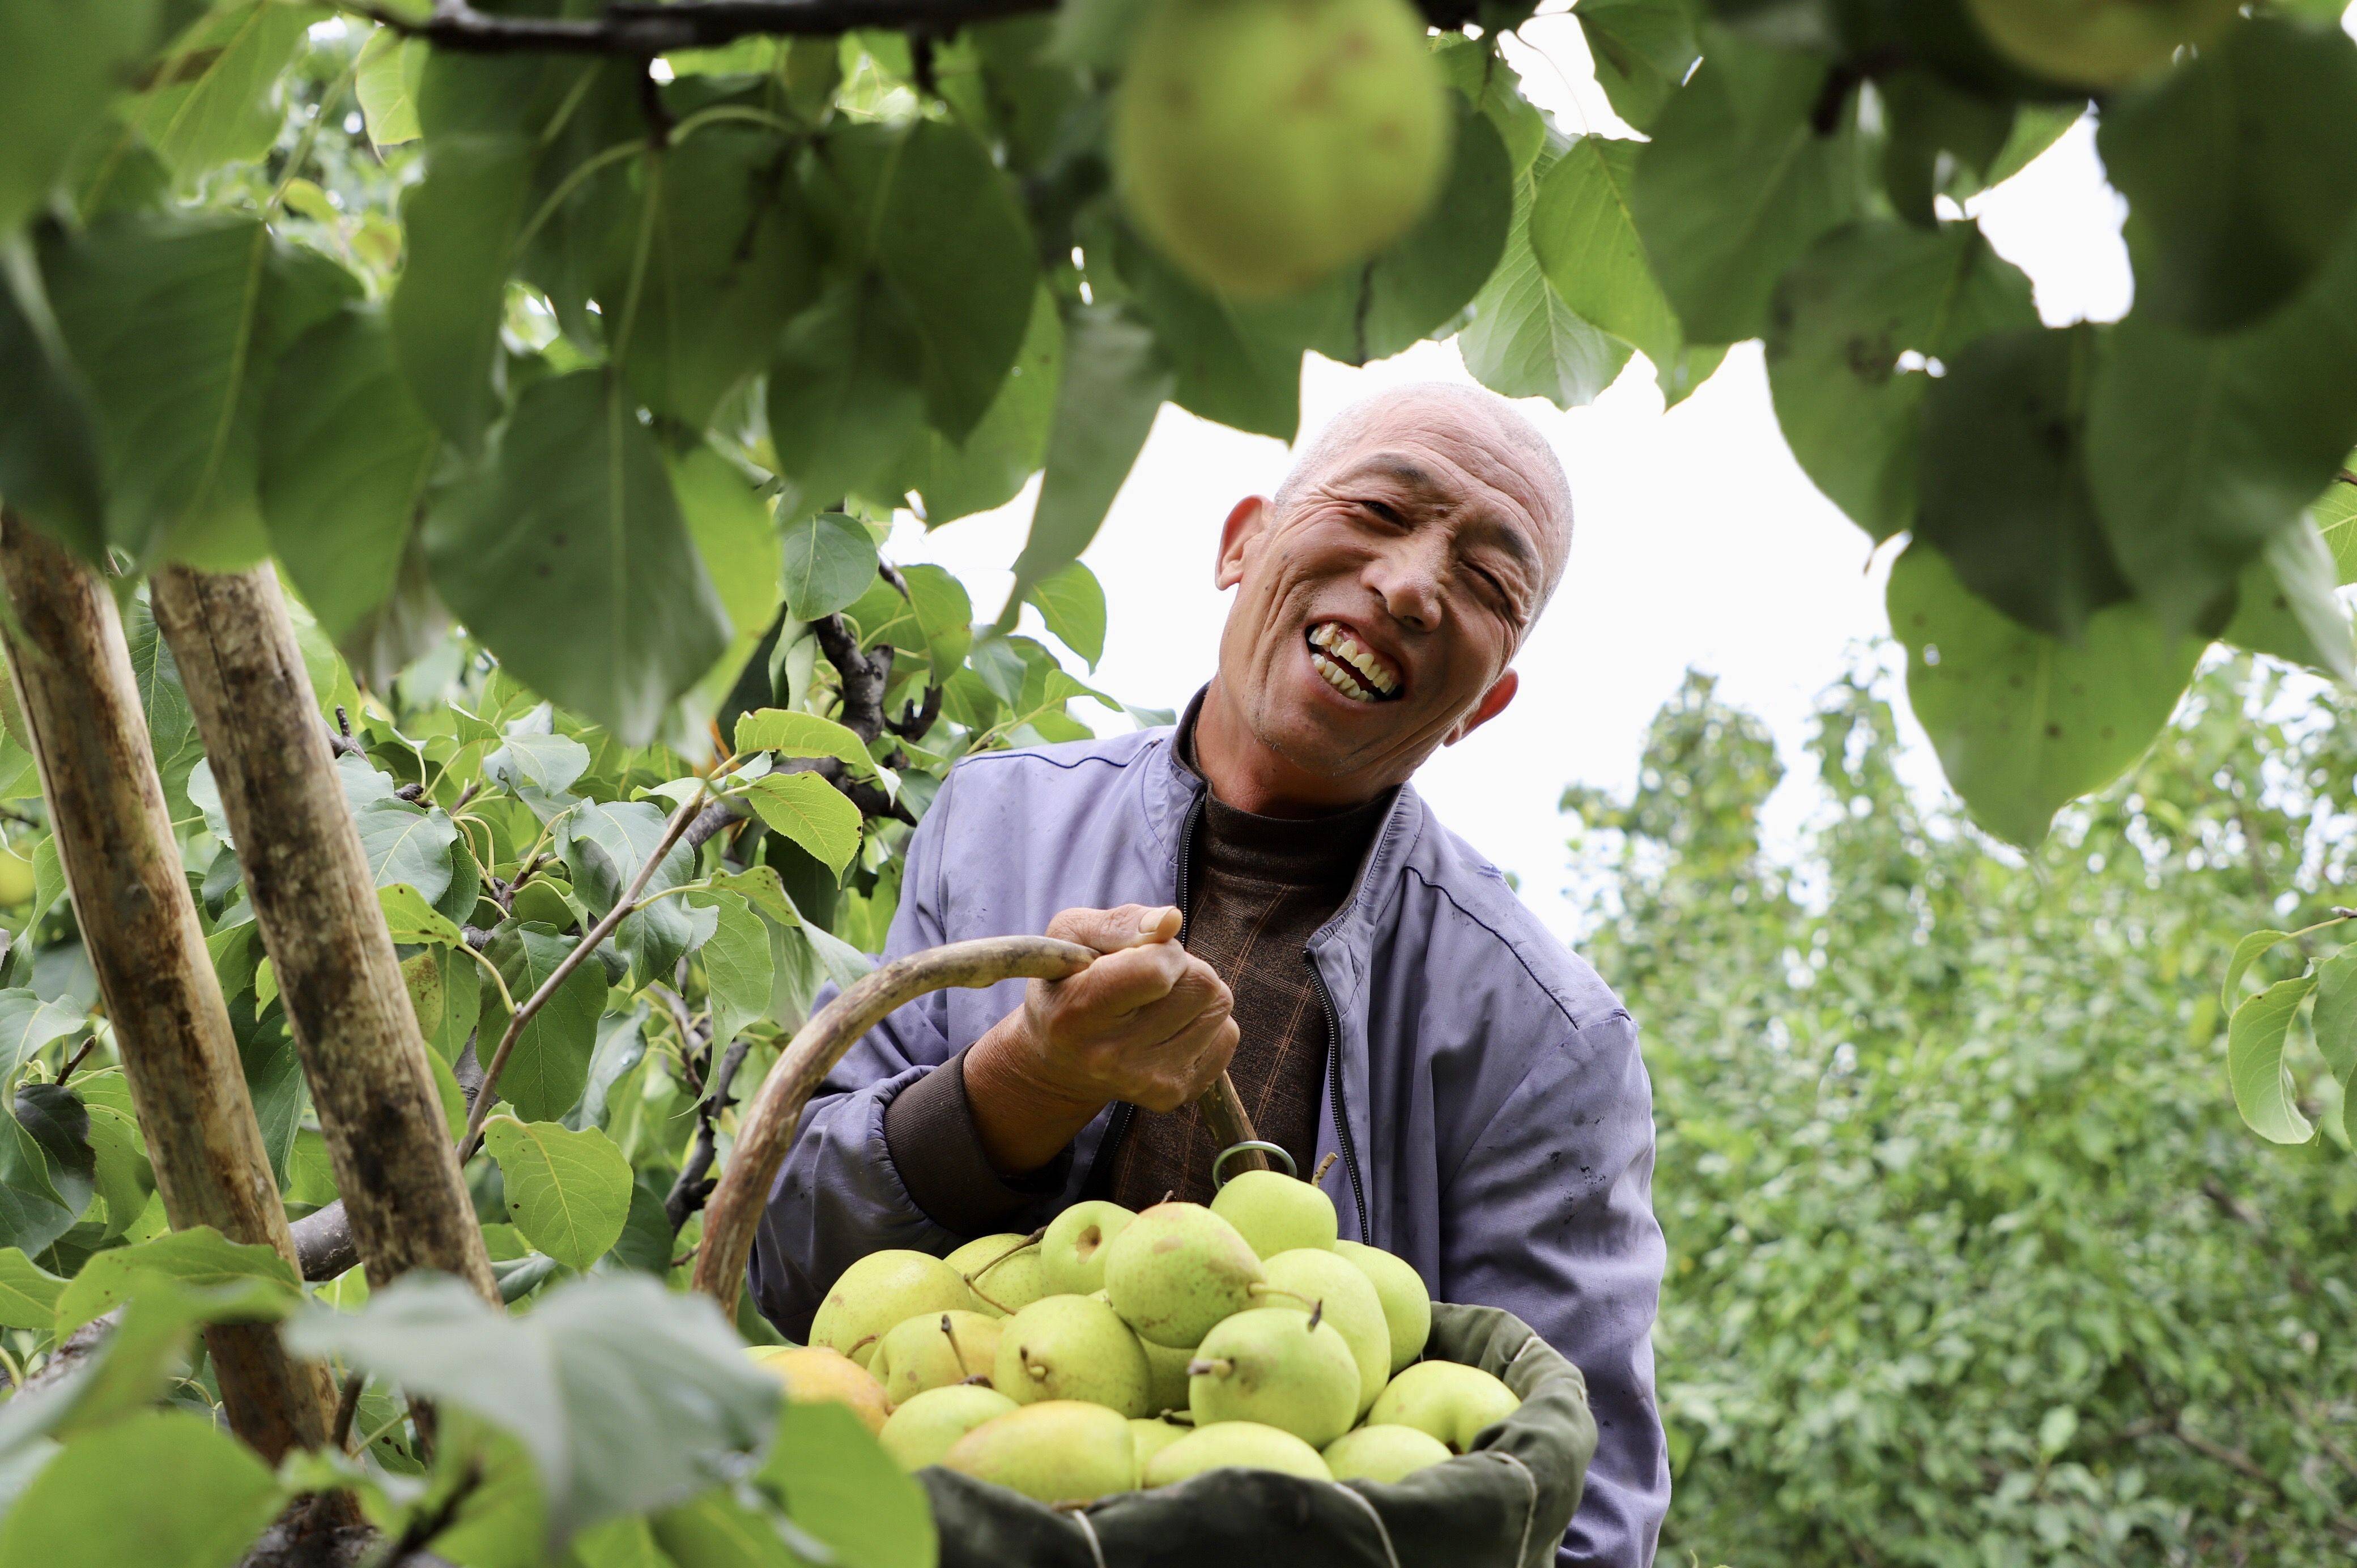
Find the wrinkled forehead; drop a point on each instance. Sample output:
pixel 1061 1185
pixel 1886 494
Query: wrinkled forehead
pixel 1460 456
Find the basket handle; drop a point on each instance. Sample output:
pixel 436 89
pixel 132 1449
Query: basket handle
pixel 767 1128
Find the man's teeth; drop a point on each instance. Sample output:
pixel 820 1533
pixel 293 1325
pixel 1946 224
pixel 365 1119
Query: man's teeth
pixel 1345 649
pixel 1340 678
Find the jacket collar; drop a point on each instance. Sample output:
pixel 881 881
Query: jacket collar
pixel 1171 788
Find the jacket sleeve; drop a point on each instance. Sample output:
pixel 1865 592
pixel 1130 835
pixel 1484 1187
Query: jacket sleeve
pixel 1550 1216
pixel 839 1197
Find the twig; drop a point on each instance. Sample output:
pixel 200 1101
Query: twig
pixel 688 1193
pixel 80 1052
pixel 348 1405
pixel 641 29
pixel 423 1528
pixel 589 943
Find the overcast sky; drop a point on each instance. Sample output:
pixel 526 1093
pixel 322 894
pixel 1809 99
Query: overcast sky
pixel 1700 542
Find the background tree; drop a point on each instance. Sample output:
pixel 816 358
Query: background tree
pixel 1969 1260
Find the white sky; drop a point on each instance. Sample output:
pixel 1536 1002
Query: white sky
pixel 1698 542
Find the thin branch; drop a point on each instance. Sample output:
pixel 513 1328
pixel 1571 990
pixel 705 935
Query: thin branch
pixel 589 943
pixel 688 1193
pixel 638 29
pixel 348 1405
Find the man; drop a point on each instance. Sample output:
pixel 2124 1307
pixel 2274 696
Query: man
pixel 1374 988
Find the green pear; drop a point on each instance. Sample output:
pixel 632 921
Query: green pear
pixel 1150 1437
pixel 1281 1368
pixel 1407 1306
pixel 1276 1213
pixel 883 1289
pixel 1004 1273
pixel 1452 1401
pixel 921 1431
pixel 1058 1451
pixel 1178 1268
pixel 1261 147
pixel 1165 1374
pixel 1311 1277
pixel 1072 1253
pixel 1377 1453
pixel 1244 1444
pixel 1072 1347
pixel 934 1350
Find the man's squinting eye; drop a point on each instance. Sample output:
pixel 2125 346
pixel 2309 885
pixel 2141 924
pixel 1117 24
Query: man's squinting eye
pixel 1385 511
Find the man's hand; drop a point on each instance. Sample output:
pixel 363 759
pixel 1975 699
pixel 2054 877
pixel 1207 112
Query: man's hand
pixel 1148 1023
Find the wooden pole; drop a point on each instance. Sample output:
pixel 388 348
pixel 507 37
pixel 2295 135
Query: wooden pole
pixel 73 679
pixel 316 903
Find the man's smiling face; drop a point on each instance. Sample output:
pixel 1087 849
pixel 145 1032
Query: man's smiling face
pixel 1382 596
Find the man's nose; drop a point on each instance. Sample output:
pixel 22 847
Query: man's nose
pixel 1406 578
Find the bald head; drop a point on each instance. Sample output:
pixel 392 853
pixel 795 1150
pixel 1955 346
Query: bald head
pixel 1481 428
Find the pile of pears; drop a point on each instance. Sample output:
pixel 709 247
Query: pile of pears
pixel 1116 1350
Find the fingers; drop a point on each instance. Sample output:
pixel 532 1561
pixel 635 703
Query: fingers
pixel 1116 929
pixel 1129 982
pixel 1192 1061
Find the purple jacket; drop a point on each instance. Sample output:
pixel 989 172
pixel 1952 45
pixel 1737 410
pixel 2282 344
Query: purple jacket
pixel 1484 1089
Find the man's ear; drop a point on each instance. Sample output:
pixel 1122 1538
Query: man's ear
pixel 1246 519
pixel 1494 702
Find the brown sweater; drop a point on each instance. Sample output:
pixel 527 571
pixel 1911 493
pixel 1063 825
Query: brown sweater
pixel 1258 888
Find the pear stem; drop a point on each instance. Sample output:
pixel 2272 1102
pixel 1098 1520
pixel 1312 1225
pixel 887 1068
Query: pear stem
pixel 1323 1166
pixel 1033 1240
pixel 949 1334
pixel 1279 1289
pixel 1217 1367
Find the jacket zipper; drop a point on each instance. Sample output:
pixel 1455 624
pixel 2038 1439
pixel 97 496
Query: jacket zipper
pixel 1341 1114
pixel 1124 1113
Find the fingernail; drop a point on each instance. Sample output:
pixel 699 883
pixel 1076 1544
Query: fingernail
pixel 1151 922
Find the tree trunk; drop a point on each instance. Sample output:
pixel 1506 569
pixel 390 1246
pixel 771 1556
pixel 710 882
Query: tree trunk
pixel 74 685
pixel 316 902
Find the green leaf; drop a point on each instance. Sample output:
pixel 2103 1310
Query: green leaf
pixel 735 537
pixel 567 1192
pixel 1072 603
pixel 2246 952
pixel 1642 50
pixel 460 225
pixel 789 733
pixel 621 1045
pixel 2254 1065
pixel 2024 724
pixel 199 1257
pixel 720 1529
pixel 1523 341
pixel 216 104
pixel 811 811
pixel 2335 512
pixel 385 79
pixel 27 1023
pixel 1238 364
pixel 1423 279
pixel 1859 325
pixel 958 478
pixel 61 62
pixel 566 553
pixel 2286 606
pixel 2002 490
pixel 29 1292
pixel 830 560
pixel 550 1064
pixel 2240 171
pixel 1477 70
pixel 729 258
pixel 604 843
pixel 926 208
pixel 763 888
pixel 2201 447
pixel 844 394
pixel 737 969
pixel 344 455
pixel 1116 377
pixel 49 466
pixel 944 615
pixel 2334 1019
pixel 445 992
pixel 847 1491
pixel 1738 182
pixel 406 844
pixel 179 429
pixel 158 1486
pixel 582 1382
pixel 47 1170
pixel 411 920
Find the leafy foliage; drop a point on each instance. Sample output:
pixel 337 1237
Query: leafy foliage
pixel 1970 1262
